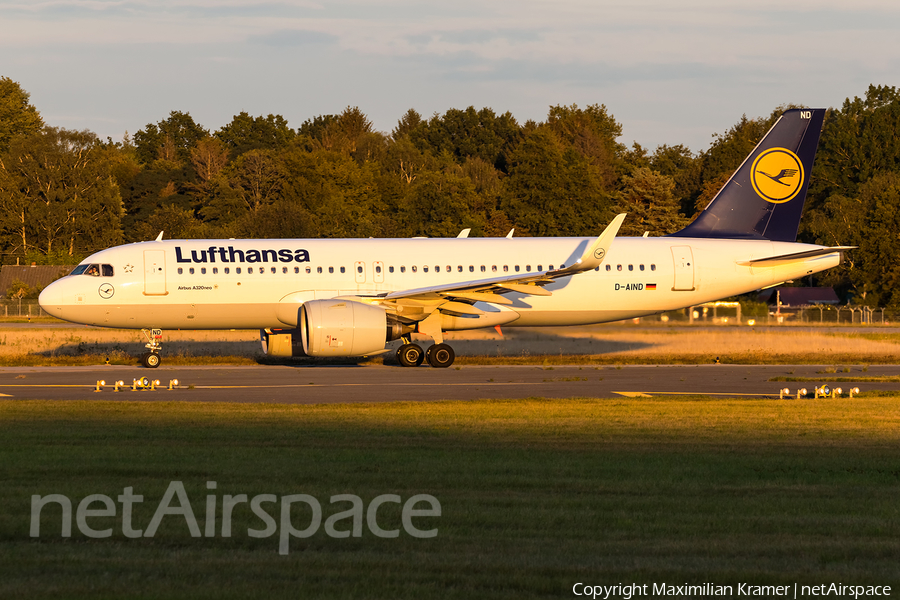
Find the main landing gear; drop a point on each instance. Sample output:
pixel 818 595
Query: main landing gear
pixel 151 359
pixel 439 356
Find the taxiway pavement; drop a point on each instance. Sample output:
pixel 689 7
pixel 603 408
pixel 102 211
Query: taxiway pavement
pixel 353 384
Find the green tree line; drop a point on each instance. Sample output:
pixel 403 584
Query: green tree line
pixel 65 194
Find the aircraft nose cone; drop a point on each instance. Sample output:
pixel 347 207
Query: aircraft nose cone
pixel 51 298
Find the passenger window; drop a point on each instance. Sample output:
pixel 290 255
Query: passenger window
pixel 250 269
pixel 378 268
pixel 540 268
pixel 642 267
pixel 493 268
pixel 215 270
pixel 631 267
pixel 459 268
pixel 425 269
pixel 505 268
pixel 618 267
pixel 517 268
pixel 273 270
pixel 237 270
pixel 391 269
pixel 318 269
pixel 308 270
pixel 284 269
pixel 549 267
pixel 296 270
pixel 191 270
pixel 180 270
pixel 331 269
pixel 528 268
pixel 471 268
pixel 413 268
pixel 203 270
pixel 483 268
pixel 402 269
pixel 437 268
pixel 262 270
pixel 359 269
pixel 608 268
pixel 107 270
pixel 343 270
pixel 652 267
pixel 227 270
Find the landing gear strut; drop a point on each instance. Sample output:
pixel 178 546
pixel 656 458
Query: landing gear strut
pixel 151 359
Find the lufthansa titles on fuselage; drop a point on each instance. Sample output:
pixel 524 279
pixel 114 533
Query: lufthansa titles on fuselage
pixel 232 255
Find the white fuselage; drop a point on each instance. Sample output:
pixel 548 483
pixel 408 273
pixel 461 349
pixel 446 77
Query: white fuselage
pixel 238 284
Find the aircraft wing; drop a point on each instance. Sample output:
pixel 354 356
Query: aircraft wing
pixel 491 289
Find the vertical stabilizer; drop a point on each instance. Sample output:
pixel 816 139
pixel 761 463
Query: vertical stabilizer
pixel 765 196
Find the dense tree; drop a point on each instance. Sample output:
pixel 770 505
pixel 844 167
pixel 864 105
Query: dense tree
pixel 17 116
pixel 407 123
pixel 246 133
pixel 679 163
pixel 170 140
pixel 869 219
pixel 553 189
pixel 858 141
pixel 58 194
pixel 648 198
pixel 592 131
pixel 468 133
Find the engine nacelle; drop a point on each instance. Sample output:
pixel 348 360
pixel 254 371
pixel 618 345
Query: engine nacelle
pixel 344 328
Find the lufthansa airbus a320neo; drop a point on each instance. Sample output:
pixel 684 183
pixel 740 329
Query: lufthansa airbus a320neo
pixel 349 297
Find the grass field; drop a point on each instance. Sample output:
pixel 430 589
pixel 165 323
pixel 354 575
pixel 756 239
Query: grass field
pixel 601 344
pixel 536 495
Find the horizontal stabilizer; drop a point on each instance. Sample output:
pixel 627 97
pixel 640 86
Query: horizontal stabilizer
pixel 789 258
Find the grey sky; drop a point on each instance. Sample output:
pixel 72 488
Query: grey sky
pixel 669 72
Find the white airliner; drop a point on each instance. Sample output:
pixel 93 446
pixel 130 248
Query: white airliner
pixel 349 297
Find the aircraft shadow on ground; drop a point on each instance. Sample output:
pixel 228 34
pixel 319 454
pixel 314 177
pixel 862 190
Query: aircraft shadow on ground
pixel 513 343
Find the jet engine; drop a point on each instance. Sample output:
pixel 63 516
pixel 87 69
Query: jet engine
pixel 346 328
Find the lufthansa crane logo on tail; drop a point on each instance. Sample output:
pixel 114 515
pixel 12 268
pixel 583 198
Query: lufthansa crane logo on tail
pixel 777 175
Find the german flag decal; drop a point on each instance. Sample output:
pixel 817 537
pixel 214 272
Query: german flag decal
pixel 650 286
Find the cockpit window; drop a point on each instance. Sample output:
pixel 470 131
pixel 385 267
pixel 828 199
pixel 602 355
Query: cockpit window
pixel 94 270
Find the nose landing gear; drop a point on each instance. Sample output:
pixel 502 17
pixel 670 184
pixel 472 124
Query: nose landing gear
pixel 151 359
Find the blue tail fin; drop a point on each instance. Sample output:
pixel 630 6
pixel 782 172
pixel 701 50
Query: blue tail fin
pixel 765 196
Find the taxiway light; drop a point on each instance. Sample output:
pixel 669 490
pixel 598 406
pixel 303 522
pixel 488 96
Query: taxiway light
pixel 783 392
pixel 173 383
pixel 801 393
pixel 854 391
pixel 751 322
pixel 117 385
pixel 100 384
pixel 836 392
